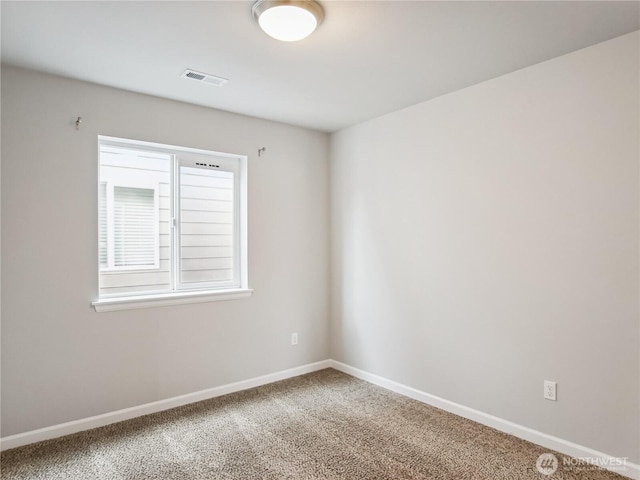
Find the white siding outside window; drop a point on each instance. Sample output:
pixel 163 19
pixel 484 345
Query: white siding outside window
pixel 206 227
pixel 133 209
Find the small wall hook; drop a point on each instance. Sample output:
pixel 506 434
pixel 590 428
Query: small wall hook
pixel 261 151
pixel 78 122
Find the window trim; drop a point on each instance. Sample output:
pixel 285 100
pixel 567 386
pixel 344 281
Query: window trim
pixel 241 289
pixel 111 304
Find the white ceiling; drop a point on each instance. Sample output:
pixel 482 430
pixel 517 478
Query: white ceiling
pixel 367 58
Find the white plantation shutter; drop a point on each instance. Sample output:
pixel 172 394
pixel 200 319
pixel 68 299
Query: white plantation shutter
pixel 135 227
pixel 102 225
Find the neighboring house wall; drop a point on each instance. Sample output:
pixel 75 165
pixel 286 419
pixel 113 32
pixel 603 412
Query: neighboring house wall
pixel 206 238
pixel 487 240
pixel 113 172
pixel 61 360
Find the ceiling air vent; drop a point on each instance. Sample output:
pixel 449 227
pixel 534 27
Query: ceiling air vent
pixel 204 77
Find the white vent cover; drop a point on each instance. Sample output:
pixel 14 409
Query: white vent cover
pixel 204 77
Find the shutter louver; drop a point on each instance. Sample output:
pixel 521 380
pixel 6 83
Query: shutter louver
pixel 102 225
pixel 135 227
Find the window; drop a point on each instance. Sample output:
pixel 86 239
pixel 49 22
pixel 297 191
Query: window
pixel 171 225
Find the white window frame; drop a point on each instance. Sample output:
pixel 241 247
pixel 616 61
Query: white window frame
pixel 178 294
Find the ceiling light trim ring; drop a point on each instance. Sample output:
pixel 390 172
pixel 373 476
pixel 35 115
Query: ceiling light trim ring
pixel 311 6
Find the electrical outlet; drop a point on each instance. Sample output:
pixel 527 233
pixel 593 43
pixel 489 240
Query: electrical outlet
pixel 294 338
pixel 550 390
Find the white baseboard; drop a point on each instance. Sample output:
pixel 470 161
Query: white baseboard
pixel 629 470
pixel 67 428
pixel 608 462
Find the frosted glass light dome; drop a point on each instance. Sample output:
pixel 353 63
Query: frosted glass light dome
pixel 288 20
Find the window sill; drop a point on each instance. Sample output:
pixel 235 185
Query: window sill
pixel 164 299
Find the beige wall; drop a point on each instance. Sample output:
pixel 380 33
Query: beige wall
pixel 61 361
pixel 487 240
pixel 482 242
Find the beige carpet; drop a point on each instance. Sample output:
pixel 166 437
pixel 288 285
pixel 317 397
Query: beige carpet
pixel 324 425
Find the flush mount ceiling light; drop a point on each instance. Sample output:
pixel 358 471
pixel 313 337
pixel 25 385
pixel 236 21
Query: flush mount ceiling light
pixel 288 20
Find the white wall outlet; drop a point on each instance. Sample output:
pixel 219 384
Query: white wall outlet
pixel 550 390
pixel 294 338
